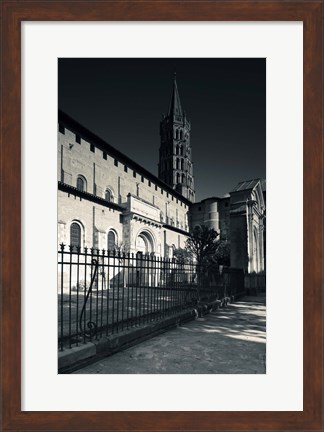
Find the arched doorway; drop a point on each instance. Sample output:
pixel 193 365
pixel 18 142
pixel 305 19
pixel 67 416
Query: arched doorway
pixel 144 258
pixel 144 243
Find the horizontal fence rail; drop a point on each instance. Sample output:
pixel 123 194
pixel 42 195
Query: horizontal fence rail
pixel 102 293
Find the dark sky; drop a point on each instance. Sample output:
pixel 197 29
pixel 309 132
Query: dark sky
pixel 122 101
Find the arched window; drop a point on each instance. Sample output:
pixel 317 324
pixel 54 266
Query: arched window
pixel 181 134
pixel 75 234
pixel 178 178
pixel 177 164
pixel 108 195
pixel 81 184
pixel 183 178
pixel 112 240
pixel 182 164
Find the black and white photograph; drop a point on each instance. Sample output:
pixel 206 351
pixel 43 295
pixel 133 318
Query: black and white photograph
pixel 161 223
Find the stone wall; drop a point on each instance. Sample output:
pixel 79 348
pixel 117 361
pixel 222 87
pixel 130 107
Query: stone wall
pixel 144 206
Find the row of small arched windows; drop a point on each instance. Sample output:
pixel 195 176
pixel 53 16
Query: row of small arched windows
pixel 179 150
pixel 177 134
pixel 76 237
pixel 179 164
pixel 81 185
pixel 180 178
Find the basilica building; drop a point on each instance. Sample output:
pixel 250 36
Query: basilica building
pixel 108 201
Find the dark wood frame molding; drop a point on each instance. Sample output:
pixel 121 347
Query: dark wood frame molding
pixel 16 11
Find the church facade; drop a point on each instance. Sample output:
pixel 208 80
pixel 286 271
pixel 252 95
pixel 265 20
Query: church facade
pixel 108 201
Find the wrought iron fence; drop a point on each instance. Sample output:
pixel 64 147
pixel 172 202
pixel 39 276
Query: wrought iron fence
pixel 101 293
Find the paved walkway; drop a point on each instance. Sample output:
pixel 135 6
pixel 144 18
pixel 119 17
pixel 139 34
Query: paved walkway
pixel 227 341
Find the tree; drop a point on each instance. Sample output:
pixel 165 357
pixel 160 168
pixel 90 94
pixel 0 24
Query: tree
pixel 202 246
pixel 202 243
pixel 181 255
pixel 223 253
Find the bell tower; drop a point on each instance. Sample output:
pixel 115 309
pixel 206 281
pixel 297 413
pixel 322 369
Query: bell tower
pixel 175 165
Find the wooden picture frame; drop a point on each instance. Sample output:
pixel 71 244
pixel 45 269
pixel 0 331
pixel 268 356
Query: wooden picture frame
pixel 13 13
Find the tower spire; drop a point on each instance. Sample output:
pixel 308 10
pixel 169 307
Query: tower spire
pixel 175 164
pixel 175 104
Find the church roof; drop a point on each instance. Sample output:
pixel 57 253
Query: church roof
pixel 249 184
pixel 175 104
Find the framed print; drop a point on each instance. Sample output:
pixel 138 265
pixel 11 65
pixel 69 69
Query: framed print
pixel 35 35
